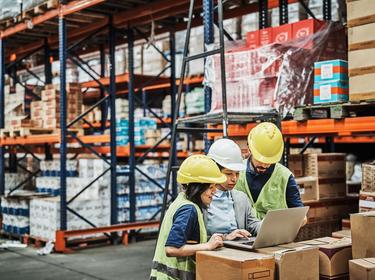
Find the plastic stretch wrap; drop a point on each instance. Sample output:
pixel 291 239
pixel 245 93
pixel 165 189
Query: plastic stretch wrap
pixel 12 8
pixel 275 76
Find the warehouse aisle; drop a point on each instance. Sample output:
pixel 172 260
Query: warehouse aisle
pixel 104 263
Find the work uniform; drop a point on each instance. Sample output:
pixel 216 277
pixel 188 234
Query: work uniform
pixel 228 211
pixel 164 267
pixel 278 189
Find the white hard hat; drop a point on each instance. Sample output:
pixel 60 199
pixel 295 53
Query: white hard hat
pixel 228 154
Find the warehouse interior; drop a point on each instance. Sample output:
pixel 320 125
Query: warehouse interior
pixel 103 103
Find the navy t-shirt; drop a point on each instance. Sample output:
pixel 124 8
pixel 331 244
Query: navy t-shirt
pixel 185 228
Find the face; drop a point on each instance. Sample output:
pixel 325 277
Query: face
pixel 232 177
pixel 207 195
pixel 260 167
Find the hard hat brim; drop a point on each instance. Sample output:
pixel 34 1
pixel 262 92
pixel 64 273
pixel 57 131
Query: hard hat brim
pixel 234 166
pixel 201 179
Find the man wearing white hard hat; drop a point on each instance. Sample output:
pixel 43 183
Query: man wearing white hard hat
pixel 230 212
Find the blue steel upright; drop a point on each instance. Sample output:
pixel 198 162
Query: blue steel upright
pixel 132 198
pixel 2 106
pixel 208 30
pixel 63 105
pixel 112 105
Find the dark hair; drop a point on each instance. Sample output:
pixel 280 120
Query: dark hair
pixel 220 166
pixel 193 193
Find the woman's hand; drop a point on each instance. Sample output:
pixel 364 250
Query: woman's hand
pixel 238 233
pixel 216 241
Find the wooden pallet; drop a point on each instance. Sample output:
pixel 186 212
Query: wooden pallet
pixel 34 241
pixel 334 110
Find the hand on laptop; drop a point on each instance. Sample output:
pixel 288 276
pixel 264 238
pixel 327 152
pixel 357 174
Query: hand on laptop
pixel 216 241
pixel 238 233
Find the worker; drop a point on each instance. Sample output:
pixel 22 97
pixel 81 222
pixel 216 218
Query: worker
pixel 183 232
pixel 230 210
pixel 268 184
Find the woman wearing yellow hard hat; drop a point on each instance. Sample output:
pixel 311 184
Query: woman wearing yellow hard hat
pixel 268 184
pixel 183 232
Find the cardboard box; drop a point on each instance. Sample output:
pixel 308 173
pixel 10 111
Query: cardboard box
pixel 334 91
pixel 362 87
pixel 265 36
pixel 230 264
pixel 361 37
pixel 345 224
pixel 332 188
pixel 363 232
pixel 295 164
pixel 290 256
pixel 308 188
pixel 282 34
pixel 368 177
pixel 331 210
pixel 366 201
pixel 334 255
pixel 360 12
pixel 306 28
pixel 359 62
pixel 362 269
pixel 329 70
pixel 252 39
pixel 326 165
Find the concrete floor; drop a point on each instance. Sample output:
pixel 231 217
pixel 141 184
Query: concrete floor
pixel 103 263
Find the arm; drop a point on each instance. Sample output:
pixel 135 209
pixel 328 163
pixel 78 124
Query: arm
pixel 253 223
pixel 293 198
pixel 215 241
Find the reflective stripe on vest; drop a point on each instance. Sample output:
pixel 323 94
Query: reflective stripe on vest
pixel 273 193
pixel 171 267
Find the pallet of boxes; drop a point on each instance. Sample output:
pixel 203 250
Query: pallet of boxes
pixel 361 36
pixel 46 112
pixel 362 225
pixel 321 178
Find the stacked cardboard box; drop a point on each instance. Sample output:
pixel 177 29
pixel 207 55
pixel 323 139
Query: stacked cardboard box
pixel 194 101
pixel 363 232
pixel 334 255
pixel 361 23
pixel 331 81
pixel 367 193
pixel 228 264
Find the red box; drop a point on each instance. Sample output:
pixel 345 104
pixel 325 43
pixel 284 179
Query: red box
pixel 305 28
pixel 265 36
pixel 282 33
pixel 252 39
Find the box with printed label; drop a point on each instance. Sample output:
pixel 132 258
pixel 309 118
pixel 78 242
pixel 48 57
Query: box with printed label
pixel 325 165
pixel 265 36
pixel 308 188
pixel 334 255
pixel 330 70
pixel 282 34
pixel 333 91
pixel 363 232
pixel 362 269
pixel 230 264
pixel 332 188
pixel 306 28
pixel 290 256
pixel 295 164
pixel 252 39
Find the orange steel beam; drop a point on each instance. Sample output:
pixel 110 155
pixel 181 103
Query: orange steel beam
pixel 62 10
pixel 61 236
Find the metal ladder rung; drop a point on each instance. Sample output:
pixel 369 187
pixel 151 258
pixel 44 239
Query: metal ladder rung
pixel 202 55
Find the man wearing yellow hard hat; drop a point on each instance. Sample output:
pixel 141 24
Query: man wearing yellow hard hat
pixel 268 184
pixel 183 231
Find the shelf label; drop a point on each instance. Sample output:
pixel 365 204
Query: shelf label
pixel 326 71
pixel 325 92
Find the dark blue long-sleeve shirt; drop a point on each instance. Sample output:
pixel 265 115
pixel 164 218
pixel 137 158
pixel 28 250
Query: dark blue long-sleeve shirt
pixel 257 181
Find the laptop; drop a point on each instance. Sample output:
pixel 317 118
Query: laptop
pixel 278 227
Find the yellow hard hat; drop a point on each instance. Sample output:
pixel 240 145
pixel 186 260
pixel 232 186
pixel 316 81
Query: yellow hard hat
pixel 200 169
pixel 266 143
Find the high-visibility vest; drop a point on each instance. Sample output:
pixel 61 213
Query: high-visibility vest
pixel 164 267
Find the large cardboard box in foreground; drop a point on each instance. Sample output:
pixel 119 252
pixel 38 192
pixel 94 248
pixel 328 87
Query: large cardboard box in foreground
pixel 334 255
pixel 363 232
pixel 288 257
pixel 362 269
pixel 230 264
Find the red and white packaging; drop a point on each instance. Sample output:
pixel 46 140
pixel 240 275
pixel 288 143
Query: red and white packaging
pixel 282 33
pixel 265 36
pixel 305 28
pixel 252 39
